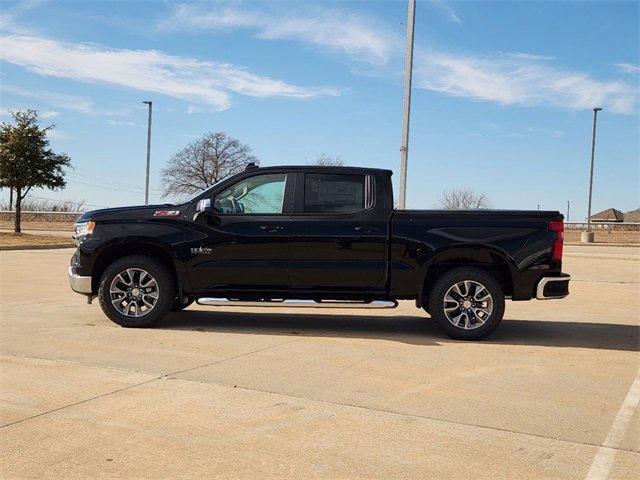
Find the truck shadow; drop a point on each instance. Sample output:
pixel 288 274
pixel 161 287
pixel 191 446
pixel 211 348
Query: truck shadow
pixel 415 330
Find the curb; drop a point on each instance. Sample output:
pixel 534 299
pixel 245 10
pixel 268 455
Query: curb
pixel 53 246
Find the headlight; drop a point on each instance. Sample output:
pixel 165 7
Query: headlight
pixel 85 228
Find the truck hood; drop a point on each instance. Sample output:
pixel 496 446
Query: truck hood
pixel 134 213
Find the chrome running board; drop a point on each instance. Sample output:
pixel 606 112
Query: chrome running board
pixel 225 302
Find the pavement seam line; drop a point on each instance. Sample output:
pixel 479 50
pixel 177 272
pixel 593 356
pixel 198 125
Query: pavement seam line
pixel 166 375
pixel 79 402
pixel 236 356
pixel 405 414
pixel 379 410
pixel 74 362
pixel 326 402
pixel 119 369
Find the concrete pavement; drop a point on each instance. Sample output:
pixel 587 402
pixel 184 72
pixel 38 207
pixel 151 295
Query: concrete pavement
pixel 241 393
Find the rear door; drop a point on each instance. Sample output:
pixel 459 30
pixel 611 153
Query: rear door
pixel 337 238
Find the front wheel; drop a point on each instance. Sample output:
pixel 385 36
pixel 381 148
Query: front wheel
pixel 136 291
pixel 467 303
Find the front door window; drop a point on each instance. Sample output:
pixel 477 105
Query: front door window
pixel 258 194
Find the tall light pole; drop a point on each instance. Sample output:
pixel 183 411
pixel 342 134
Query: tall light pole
pixel 146 184
pixel 568 205
pixel 589 236
pixel 406 103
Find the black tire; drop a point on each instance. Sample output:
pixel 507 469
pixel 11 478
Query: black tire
pixel 166 291
pixel 179 306
pixel 447 281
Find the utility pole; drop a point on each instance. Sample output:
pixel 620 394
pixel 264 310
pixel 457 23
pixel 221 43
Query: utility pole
pixel 568 205
pixel 587 237
pixel 538 206
pixel 146 184
pixel 406 102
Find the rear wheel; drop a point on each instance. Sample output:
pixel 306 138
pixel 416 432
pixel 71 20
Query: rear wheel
pixel 466 303
pixel 136 291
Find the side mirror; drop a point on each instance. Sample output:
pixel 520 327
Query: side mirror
pixel 202 207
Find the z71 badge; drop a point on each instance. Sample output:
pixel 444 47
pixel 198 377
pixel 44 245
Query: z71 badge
pixel 166 213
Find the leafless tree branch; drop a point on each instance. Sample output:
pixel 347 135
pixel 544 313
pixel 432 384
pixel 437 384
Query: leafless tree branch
pixel 464 198
pixel 204 162
pixel 325 160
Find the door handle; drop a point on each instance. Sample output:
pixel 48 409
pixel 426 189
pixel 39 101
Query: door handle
pixel 366 229
pixel 271 228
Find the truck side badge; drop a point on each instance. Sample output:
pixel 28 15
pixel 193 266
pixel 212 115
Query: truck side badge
pixel 201 250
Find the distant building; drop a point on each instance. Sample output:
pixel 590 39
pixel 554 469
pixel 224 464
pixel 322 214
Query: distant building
pixel 632 216
pixel 608 215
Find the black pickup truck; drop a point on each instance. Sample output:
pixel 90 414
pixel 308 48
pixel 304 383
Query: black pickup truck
pixel 316 237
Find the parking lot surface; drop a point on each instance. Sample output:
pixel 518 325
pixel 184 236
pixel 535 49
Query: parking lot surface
pixel 278 393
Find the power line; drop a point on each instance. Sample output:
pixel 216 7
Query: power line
pixel 115 183
pixel 108 187
pixel 105 183
pixel 111 187
pixel 62 201
pixel 104 179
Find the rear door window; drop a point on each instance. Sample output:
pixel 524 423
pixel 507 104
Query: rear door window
pixel 333 193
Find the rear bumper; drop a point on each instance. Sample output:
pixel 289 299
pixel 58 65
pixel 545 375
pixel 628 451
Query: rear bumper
pixel 79 283
pixel 553 287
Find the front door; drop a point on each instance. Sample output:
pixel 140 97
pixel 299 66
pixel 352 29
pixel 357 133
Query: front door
pixel 337 238
pixel 244 243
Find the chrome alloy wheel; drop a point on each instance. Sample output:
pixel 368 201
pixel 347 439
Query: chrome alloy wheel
pixel 468 304
pixel 134 292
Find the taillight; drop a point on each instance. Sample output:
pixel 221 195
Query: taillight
pixel 557 226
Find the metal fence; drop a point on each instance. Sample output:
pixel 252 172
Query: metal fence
pixel 604 226
pixel 41 216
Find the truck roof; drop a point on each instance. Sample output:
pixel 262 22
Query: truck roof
pixel 322 168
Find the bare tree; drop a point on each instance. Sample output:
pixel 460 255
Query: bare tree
pixel 463 198
pixel 204 162
pixel 325 160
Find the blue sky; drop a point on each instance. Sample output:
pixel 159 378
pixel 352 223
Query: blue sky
pixel 502 94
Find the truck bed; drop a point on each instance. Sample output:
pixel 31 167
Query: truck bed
pixel 519 240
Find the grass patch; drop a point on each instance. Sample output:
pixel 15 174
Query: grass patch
pixel 38 225
pixel 11 239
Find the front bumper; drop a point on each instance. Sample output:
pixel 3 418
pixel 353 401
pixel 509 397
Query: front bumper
pixel 79 283
pixel 553 287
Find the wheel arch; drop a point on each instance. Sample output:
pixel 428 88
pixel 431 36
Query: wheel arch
pixel 485 258
pixel 137 246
